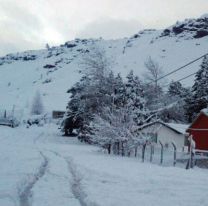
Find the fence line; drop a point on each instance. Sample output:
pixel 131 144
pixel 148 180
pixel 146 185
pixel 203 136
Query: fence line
pixel 156 153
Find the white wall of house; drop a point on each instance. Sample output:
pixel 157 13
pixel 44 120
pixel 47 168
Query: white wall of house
pixel 166 135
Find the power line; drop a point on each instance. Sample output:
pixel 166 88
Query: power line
pixel 186 77
pixel 189 63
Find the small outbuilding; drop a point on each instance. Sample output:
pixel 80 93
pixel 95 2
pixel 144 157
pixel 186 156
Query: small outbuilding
pixel 166 133
pixel 199 130
pixel 58 114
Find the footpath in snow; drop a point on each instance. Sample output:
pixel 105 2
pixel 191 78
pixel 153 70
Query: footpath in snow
pixel 41 168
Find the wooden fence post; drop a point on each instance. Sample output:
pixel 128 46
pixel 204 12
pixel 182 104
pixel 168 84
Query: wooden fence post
pixel 174 158
pixel 136 149
pixel 118 147
pixel 109 148
pixel 151 152
pixel 161 154
pixel 122 148
pixel 143 151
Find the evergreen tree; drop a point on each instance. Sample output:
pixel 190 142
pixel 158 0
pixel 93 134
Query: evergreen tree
pixel 134 98
pixel 174 103
pixel 176 90
pixel 189 107
pixel 118 91
pixel 92 93
pixel 199 98
pixel 200 87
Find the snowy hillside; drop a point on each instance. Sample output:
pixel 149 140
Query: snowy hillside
pixel 53 71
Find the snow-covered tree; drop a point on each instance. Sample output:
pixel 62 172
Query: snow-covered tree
pixel 96 64
pixel 100 91
pixel 119 92
pixel 174 103
pixel 114 127
pixel 134 98
pixel 94 90
pixel 200 87
pixel 176 89
pixel 189 107
pixel 199 98
pixel 153 88
pixel 37 104
pixel 153 71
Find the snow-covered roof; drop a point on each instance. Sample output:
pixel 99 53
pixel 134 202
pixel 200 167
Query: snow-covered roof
pixel 178 127
pixel 205 111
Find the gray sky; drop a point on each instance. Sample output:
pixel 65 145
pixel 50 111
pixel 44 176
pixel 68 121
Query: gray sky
pixel 30 24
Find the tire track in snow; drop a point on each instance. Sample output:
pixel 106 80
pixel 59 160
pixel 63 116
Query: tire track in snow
pixel 75 182
pixel 9 197
pixel 25 194
pixel 74 179
pixel 76 185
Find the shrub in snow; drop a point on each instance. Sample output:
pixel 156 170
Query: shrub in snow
pixel 39 120
pixel 48 80
pixel 115 129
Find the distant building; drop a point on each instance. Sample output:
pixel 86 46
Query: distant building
pixel 166 133
pixel 199 130
pixel 58 114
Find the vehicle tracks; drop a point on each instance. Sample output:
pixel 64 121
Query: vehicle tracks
pixel 76 185
pixel 25 194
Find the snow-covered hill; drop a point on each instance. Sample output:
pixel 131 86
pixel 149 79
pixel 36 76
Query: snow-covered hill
pixel 54 70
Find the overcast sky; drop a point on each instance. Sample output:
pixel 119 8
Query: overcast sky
pixel 30 24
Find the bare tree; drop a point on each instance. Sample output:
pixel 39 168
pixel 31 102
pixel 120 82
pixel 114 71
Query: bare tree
pixel 96 63
pixel 37 105
pixel 96 68
pixel 153 89
pixel 154 71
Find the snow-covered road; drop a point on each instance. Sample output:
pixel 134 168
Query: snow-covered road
pixel 41 168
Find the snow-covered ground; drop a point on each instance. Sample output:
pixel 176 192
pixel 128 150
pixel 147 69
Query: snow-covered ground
pixel 41 168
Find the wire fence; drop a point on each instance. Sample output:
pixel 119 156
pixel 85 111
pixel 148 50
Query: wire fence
pixel 160 154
